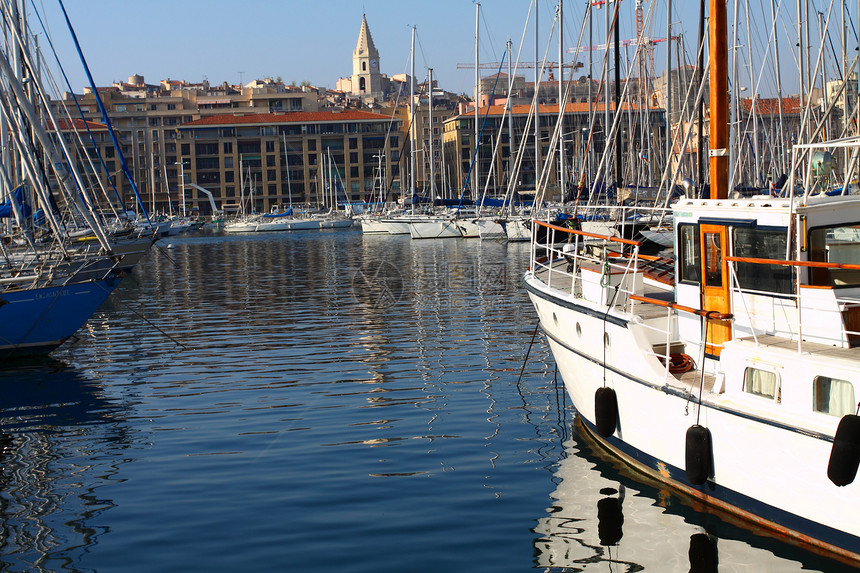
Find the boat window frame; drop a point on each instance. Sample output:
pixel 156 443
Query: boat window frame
pixel 696 264
pixel 777 385
pixel 766 269
pixel 815 277
pixel 816 398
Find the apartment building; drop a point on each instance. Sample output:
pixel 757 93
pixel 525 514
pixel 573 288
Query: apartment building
pixel 257 161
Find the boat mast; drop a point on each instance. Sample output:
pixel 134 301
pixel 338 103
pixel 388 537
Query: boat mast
pixel 561 106
pixel 476 167
pixel 537 103
pixel 287 161
pixel 700 72
pixel 412 124
pixel 590 86
pixel 719 104
pixel 781 134
pixel 430 121
pixel 668 82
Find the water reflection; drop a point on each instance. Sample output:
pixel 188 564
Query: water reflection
pixel 62 439
pixel 604 518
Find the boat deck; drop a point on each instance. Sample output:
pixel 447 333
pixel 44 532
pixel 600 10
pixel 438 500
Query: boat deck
pixel 561 280
pixel 811 348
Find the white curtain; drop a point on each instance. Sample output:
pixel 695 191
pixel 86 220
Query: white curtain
pixel 760 382
pixel 834 396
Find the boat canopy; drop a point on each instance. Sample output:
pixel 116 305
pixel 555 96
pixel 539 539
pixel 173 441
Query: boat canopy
pixel 6 210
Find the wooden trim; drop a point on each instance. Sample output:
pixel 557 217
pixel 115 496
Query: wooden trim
pixel 698 312
pixel 585 234
pixel 813 264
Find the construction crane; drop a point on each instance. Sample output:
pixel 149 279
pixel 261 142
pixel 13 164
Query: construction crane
pixel 523 65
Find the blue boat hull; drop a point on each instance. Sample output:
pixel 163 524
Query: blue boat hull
pixel 36 321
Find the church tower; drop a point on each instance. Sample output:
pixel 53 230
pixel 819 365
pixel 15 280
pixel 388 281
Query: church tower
pixel 366 77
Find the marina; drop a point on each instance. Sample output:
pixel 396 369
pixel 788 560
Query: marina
pixel 253 402
pixel 233 337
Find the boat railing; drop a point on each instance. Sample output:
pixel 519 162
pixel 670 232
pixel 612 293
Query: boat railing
pixel 833 312
pixel 591 270
pixel 670 351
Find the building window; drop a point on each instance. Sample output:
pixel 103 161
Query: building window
pixel 270 147
pixel 228 162
pixel 353 157
pixel 228 147
pixel 353 142
pixel 761 383
pixel 833 396
pixel 186 149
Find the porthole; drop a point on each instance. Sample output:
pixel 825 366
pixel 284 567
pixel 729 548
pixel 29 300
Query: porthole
pixel 578 330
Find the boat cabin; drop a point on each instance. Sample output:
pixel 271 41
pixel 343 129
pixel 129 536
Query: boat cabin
pixel 722 251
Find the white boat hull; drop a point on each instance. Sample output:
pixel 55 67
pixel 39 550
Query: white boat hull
pixel 396 226
pixel 518 229
pixel 434 229
pixel 469 228
pixel 490 229
pixel 371 226
pixel 748 442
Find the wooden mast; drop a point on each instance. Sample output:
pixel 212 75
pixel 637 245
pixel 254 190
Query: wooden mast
pixel 719 103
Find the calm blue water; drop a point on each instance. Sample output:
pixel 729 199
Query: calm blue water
pixel 326 402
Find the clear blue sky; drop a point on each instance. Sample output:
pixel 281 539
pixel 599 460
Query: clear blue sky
pixel 225 40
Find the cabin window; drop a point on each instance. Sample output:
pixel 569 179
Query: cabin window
pixel 761 244
pixel 833 396
pixel 688 255
pixel 713 260
pixel 835 245
pixel 762 383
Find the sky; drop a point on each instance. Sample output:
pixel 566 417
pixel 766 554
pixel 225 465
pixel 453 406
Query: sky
pixel 312 40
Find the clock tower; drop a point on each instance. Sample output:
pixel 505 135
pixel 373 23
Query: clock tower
pixel 366 77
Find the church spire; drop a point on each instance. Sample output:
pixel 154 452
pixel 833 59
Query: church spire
pixel 365 45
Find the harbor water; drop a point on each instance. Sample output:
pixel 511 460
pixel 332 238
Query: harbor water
pixel 328 401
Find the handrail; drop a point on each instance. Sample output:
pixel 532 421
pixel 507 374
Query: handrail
pixel 698 312
pixel 586 234
pixel 814 264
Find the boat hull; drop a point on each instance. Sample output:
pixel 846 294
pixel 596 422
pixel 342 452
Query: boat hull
pixel 434 229
pixel 518 229
pixel 371 226
pixel 490 229
pixel 469 228
pixel 36 321
pixel 747 444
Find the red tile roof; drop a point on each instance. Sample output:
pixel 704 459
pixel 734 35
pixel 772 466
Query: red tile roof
pixel 294 117
pixel 770 106
pixel 65 125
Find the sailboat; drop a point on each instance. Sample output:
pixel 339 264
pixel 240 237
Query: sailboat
pixel 59 260
pixel 736 380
